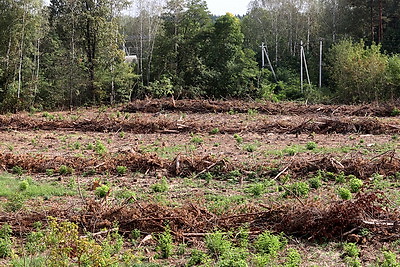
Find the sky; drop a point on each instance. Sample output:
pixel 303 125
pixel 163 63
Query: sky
pixel 220 7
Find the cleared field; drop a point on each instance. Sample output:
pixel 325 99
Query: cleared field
pixel 232 183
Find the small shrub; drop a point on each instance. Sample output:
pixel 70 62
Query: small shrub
pixel 121 134
pixel 340 178
pixel 250 147
pixel 234 257
pixel 217 243
pixel 351 249
pixel 197 140
pixel 214 131
pixel 161 186
pixel 23 185
pixel 17 170
pixel 389 260
pixel 355 185
pixel 49 172
pixel 344 193
pixel 165 244
pixel 293 258
pixel 197 257
pixel 270 244
pixel 300 189
pixel 63 170
pixel 290 151
pixel 395 112
pixel 252 112
pixel 315 182
pixel 100 148
pixel 256 189
pixel 121 170
pixel 238 138
pixel 5 241
pixel 311 145
pixel 102 191
pixel 206 176
pixel 14 203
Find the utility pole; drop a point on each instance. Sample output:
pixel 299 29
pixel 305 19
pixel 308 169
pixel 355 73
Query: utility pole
pixel 320 64
pixel 303 61
pixel 264 53
pixel 301 66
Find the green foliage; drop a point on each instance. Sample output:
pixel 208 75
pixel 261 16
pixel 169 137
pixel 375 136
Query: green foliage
pixel 358 71
pixel 250 147
pixel 268 243
pixel 161 88
pixel 233 257
pixel 102 191
pixel 160 187
pixel 299 189
pixel 217 243
pixel 238 138
pixel 197 257
pixel 256 189
pixel 64 170
pixel 15 202
pixel 214 131
pixel 293 258
pixel 17 170
pixel 315 182
pixel 100 148
pixel 311 145
pixel 5 241
pixel 355 185
pixel 23 185
pixel 344 193
pixel 49 172
pixel 165 244
pixel 197 140
pixel 351 249
pixel 389 260
pixel 121 170
pixel 65 245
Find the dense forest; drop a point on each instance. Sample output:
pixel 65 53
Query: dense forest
pixel 72 52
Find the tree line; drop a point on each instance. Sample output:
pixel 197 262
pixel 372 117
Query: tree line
pixel 71 52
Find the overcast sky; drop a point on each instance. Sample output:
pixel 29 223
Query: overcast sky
pixel 220 7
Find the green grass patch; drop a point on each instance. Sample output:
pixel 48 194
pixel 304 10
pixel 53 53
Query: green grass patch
pixel 10 184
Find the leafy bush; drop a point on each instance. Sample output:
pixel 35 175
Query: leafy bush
pixel 351 249
pixel 63 170
pixel 344 193
pixel 238 138
pixel 359 72
pixel 23 185
pixel 5 241
pixel 293 258
pixel 315 182
pixel 355 185
pixel 217 243
pixel 311 145
pixel 160 187
pixel 197 257
pixel 270 244
pixel 17 170
pixel 165 244
pixel 102 191
pixel 389 260
pixel 299 189
pixel 256 189
pixel 121 170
